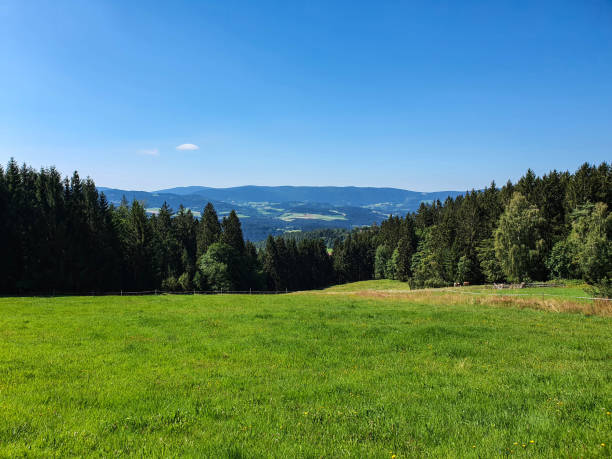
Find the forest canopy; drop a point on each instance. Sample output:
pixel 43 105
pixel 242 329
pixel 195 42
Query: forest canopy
pixel 60 234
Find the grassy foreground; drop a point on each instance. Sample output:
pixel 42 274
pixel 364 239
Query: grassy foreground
pixel 304 375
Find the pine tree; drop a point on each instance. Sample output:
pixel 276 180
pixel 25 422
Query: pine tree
pixel 529 186
pixel 4 231
pixel 209 230
pixel 166 260
pixel 185 233
pixel 403 259
pixel 381 259
pixel 139 248
pixel 232 232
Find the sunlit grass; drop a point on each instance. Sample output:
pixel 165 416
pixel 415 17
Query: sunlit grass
pixel 572 298
pixel 380 284
pixel 305 375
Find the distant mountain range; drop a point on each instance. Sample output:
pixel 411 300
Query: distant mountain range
pixel 276 210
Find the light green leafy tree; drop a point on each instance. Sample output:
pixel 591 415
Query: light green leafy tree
pixel 381 261
pixel 518 244
pixel 221 266
pixel 489 264
pixel 590 241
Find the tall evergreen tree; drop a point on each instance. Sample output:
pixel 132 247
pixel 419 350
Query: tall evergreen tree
pixel 166 262
pixel 402 259
pixel 232 232
pixel 209 230
pixel 185 228
pixel 272 265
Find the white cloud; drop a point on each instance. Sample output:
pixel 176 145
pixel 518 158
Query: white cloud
pixel 151 152
pixel 187 147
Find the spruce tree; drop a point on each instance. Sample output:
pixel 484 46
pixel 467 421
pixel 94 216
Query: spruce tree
pixel 232 232
pixel 166 258
pixel 209 230
pixel 271 265
pixel 185 232
pixel 403 258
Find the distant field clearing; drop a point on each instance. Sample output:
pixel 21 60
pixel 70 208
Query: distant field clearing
pixel 289 217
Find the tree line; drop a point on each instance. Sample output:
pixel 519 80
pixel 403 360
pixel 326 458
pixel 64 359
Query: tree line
pixel 61 234
pixel 557 226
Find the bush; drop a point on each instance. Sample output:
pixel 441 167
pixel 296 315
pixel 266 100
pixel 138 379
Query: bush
pixel 170 283
pixel 435 283
pixel 184 282
pixel 199 281
pixel 415 283
pixel 601 289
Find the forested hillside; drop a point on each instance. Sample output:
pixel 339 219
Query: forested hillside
pixel 62 235
pixel 555 226
pixel 283 209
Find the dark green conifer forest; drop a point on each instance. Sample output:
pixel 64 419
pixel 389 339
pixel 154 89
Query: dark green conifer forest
pixel 61 235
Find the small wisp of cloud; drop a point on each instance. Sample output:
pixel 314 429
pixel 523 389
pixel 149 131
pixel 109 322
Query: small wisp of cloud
pixel 150 152
pixel 187 147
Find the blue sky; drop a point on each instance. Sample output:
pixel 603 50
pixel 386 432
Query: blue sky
pixel 425 95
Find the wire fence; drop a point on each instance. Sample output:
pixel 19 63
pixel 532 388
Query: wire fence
pixel 152 292
pixel 460 290
pixel 501 292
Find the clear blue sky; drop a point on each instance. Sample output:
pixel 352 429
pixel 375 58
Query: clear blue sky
pixel 420 95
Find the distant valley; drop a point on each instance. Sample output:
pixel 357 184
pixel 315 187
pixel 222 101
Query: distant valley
pixel 276 210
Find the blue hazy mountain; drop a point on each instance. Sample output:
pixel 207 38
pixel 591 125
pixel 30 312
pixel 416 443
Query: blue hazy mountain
pixel 275 210
pixel 348 195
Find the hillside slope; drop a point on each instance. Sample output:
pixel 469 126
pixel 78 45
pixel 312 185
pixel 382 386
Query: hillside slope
pixel 275 210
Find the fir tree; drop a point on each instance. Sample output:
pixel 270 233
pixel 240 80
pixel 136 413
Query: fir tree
pixel 232 232
pixel 209 230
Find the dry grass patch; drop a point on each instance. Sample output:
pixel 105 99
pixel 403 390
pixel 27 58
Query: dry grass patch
pixel 444 297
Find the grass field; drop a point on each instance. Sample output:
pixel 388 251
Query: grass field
pixel 301 375
pixel 376 285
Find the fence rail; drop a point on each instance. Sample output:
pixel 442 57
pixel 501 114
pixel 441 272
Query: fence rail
pixel 283 292
pixel 151 292
pixel 462 292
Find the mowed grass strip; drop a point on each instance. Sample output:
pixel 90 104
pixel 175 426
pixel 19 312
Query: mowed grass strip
pixel 300 376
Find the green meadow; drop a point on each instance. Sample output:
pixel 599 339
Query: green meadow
pixel 300 375
pixel 291 216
